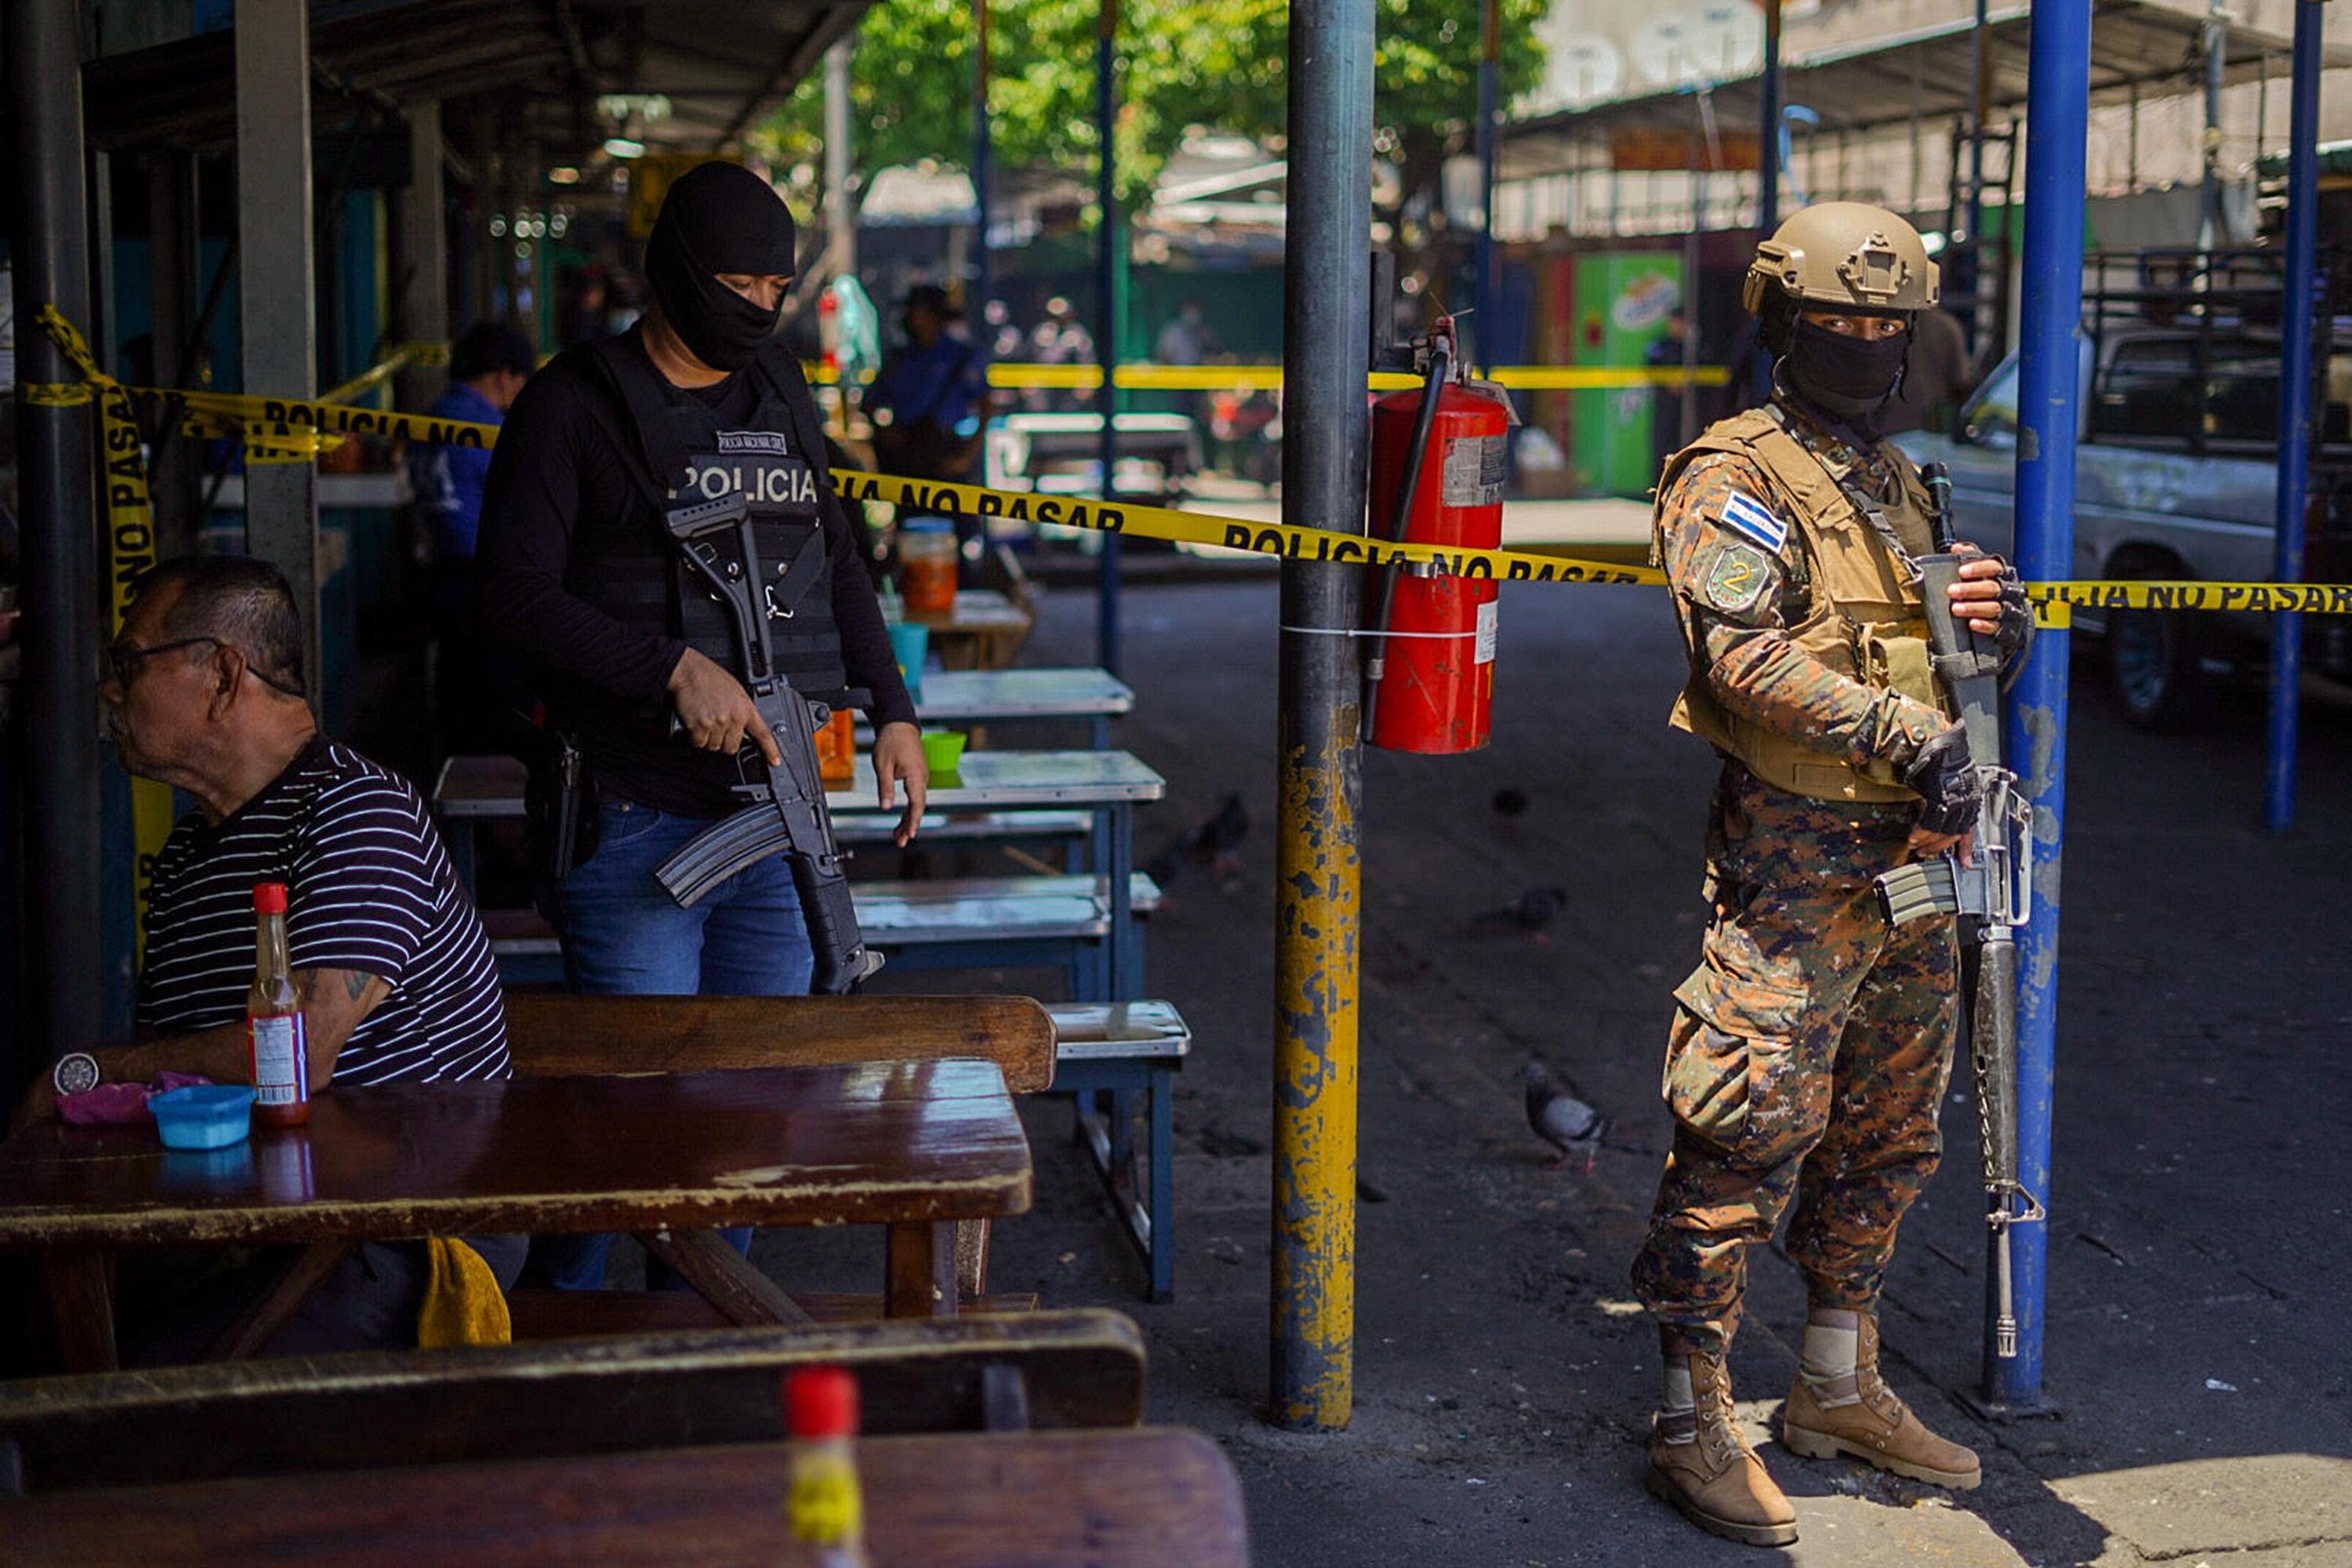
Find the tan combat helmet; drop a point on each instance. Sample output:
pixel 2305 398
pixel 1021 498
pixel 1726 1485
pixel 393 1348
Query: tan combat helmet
pixel 1845 254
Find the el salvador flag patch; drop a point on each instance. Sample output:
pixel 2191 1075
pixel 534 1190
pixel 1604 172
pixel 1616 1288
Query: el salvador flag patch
pixel 1743 513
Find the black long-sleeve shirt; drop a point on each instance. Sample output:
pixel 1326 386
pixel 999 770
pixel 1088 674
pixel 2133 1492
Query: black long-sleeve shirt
pixel 560 491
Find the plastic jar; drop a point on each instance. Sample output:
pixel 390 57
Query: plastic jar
pixel 927 565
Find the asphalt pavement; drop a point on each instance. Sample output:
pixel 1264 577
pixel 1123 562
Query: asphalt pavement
pixel 2198 1388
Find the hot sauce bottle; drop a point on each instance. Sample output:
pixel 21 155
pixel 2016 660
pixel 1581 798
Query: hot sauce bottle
pixel 824 1505
pixel 273 1019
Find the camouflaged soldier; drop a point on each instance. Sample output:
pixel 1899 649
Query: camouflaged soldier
pixel 1810 1048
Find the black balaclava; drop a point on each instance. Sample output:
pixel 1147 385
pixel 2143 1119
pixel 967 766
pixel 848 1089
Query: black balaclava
pixel 718 218
pixel 1849 380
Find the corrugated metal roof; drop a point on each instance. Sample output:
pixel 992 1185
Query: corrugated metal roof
pixel 1886 81
pixel 721 65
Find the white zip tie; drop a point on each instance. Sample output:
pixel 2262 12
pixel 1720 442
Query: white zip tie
pixel 1368 632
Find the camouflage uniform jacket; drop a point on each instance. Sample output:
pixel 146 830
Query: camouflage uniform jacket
pixel 1742 586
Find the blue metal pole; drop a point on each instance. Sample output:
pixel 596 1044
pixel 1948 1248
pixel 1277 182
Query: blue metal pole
pixel 1490 90
pixel 1767 161
pixel 2297 328
pixel 2056 126
pixel 1108 310
pixel 984 281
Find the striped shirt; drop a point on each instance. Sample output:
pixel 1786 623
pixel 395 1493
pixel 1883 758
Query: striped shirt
pixel 369 887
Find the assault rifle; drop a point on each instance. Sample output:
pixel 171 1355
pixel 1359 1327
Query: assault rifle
pixel 1992 892
pixel 787 814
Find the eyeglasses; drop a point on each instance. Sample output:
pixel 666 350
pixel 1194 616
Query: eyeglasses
pixel 122 662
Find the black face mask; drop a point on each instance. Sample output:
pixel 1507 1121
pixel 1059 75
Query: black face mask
pixel 718 218
pixel 1847 378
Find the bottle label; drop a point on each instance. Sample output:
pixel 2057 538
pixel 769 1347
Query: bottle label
pixel 823 1506
pixel 281 1060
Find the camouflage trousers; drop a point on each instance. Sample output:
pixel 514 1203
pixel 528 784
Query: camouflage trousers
pixel 1808 1055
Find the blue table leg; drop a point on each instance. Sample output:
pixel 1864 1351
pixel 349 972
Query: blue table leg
pixel 1121 864
pixel 1163 1207
pixel 457 834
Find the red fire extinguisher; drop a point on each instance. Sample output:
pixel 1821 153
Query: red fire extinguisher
pixel 1439 457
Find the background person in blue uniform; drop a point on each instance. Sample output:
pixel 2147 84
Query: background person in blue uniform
pixel 578 578
pixel 929 403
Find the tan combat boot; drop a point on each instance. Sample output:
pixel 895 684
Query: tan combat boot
pixel 1712 1476
pixel 1873 1425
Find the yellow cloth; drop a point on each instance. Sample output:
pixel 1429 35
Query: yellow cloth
pixel 463 1304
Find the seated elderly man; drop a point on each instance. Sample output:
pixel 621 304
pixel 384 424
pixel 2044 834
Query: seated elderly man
pixel 205 692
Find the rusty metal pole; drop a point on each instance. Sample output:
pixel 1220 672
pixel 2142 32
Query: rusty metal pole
pixel 1327 281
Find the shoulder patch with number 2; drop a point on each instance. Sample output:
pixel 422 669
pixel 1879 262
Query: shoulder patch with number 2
pixel 1736 578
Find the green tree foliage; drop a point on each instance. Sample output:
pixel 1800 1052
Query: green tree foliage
pixel 1219 64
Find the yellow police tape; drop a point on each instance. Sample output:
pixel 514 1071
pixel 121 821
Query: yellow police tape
pixel 289 425
pixel 1014 375
pixel 1268 377
pixel 1285 539
pixel 130 551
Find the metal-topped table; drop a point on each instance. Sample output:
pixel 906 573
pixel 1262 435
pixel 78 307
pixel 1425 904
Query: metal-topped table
pixel 1031 693
pixel 1109 784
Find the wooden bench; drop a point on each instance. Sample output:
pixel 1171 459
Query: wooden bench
pixel 1070 1369
pixel 1111 1055
pixel 551 1036
pixel 1119 1498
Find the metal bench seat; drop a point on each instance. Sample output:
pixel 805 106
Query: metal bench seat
pixel 1118 1058
pixel 965 922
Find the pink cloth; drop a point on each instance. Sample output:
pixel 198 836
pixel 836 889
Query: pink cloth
pixel 112 1104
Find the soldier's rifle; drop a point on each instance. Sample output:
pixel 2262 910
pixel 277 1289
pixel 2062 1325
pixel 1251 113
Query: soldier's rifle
pixel 787 813
pixel 1990 889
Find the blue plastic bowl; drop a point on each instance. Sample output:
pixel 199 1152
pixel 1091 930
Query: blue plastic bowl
pixel 204 1115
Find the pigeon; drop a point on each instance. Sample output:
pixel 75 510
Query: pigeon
pixel 1529 912
pixel 1218 840
pixel 1562 1120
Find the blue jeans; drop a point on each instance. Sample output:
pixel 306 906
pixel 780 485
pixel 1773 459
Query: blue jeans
pixel 624 936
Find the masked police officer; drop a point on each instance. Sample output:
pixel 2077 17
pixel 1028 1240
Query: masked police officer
pixel 577 577
pixel 1810 1048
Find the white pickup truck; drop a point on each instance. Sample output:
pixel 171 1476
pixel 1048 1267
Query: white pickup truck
pixel 2176 477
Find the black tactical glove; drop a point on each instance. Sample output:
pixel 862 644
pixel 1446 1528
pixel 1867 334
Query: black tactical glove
pixel 1940 774
pixel 2016 618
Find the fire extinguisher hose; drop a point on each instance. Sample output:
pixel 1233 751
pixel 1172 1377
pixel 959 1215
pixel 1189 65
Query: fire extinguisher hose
pixel 1424 419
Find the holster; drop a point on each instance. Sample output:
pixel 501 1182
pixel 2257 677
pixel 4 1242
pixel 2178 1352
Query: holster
pixel 560 803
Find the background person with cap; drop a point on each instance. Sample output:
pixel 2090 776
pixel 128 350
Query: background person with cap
pixel 930 405
pixel 579 579
pixel 487 366
pixel 1811 1046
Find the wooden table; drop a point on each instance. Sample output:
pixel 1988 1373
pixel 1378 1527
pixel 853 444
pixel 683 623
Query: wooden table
pixel 1151 1498
pixel 915 1146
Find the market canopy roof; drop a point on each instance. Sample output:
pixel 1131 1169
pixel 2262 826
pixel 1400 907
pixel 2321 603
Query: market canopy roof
pixel 1887 81
pixel 716 65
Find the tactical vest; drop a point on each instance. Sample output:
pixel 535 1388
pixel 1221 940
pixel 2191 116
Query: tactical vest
pixel 689 454
pixel 1864 616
